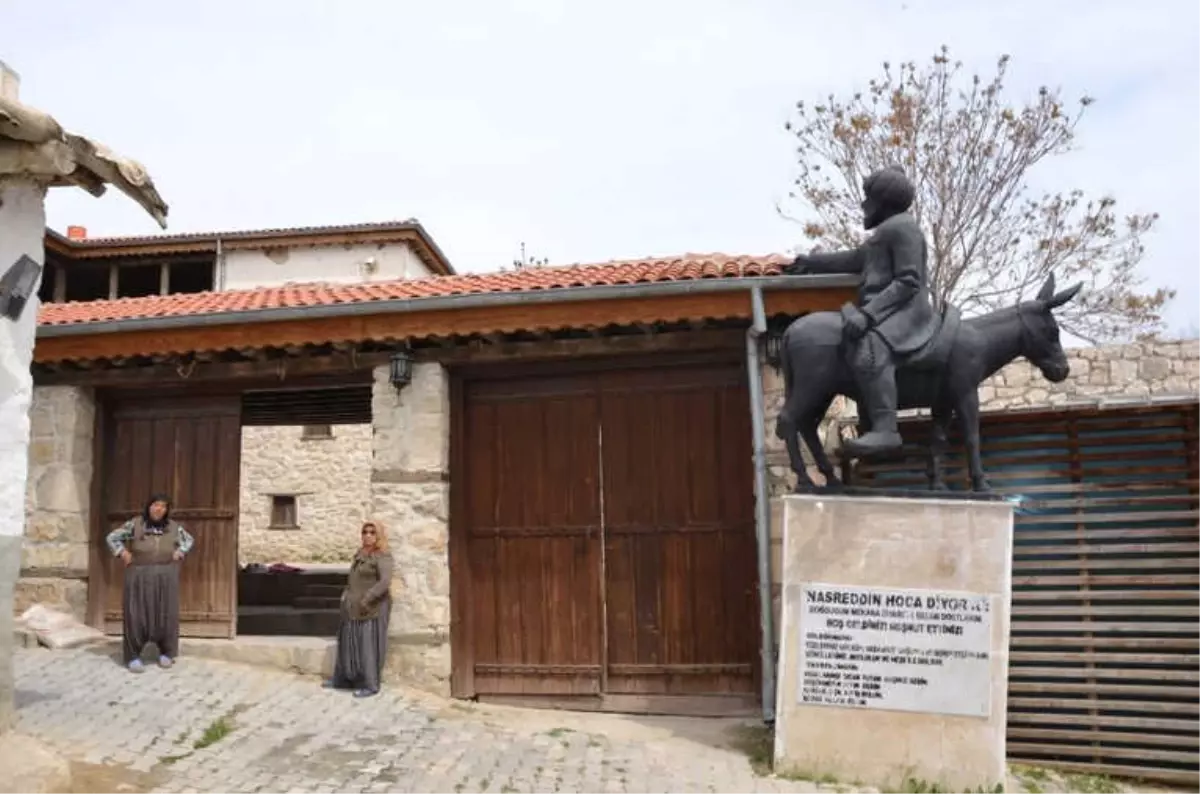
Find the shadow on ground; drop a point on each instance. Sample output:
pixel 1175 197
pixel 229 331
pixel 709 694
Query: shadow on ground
pixel 25 697
pixel 110 777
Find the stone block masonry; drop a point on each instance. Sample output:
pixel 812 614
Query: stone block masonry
pixel 54 557
pixel 1115 372
pixel 410 494
pixel 329 478
pixel 1161 369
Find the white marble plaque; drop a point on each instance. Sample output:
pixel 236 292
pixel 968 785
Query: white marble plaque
pixel 901 650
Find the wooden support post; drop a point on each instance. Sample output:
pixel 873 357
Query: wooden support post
pixel 60 284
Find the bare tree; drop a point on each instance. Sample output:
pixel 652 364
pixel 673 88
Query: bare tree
pixel 969 153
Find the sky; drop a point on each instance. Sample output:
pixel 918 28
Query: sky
pixel 589 131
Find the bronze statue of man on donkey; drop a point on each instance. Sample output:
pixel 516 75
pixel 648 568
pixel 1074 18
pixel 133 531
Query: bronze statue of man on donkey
pixel 891 350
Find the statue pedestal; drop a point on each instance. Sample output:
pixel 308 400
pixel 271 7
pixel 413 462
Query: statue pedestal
pixel 893 660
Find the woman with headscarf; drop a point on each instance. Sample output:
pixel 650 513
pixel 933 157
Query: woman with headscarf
pixel 366 605
pixel 151 545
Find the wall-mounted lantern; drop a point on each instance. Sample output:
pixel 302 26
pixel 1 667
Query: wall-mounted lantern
pixel 401 369
pixel 773 347
pixel 17 285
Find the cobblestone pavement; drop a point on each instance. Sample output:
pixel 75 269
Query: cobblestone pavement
pixel 164 730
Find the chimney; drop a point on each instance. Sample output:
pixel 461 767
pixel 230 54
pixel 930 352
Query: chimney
pixel 10 83
pixel 76 232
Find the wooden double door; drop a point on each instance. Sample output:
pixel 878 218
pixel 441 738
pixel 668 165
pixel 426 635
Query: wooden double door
pixel 607 519
pixel 188 448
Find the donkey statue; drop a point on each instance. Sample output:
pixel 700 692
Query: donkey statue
pixel 945 380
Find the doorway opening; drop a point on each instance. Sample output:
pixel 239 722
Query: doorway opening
pixel 305 479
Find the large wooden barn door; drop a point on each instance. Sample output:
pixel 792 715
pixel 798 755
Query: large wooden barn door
pixel 188 448
pixel 533 536
pixel 679 532
pixel 608 526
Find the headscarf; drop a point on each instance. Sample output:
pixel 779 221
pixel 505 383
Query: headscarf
pixel 381 538
pixel 158 497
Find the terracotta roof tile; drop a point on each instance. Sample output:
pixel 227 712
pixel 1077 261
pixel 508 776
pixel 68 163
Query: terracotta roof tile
pixel 643 271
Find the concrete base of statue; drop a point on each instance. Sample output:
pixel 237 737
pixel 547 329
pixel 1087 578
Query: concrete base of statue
pixel 893 660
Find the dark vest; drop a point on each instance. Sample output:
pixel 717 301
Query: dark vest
pixel 149 548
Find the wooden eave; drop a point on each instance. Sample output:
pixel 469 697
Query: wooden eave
pixel 537 317
pixel 101 249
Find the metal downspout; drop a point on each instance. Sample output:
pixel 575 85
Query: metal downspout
pixel 762 519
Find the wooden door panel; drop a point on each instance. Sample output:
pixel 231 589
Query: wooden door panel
pixel 189 449
pixel 532 478
pixel 679 583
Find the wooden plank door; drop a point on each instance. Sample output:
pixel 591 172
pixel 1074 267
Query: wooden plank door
pixel 189 448
pixel 533 536
pixel 678 506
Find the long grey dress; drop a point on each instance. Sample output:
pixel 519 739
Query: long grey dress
pixel 362 636
pixel 150 596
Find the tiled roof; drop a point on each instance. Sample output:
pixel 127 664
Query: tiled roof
pixel 643 271
pixel 409 230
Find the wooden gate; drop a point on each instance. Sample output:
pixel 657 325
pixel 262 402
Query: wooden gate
pixel 1106 597
pixel 189 448
pixel 607 520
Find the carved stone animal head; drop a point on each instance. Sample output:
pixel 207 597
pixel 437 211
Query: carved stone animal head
pixel 1040 342
pixel 886 192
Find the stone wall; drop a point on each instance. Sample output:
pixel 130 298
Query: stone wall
pixel 54 560
pixel 1121 372
pixel 330 477
pixel 779 470
pixel 410 495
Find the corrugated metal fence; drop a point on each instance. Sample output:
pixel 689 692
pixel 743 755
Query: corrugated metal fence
pixel 1106 593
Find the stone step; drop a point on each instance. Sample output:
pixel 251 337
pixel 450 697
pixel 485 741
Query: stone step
pixel 304 655
pixel 325 590
pixel 310 578
pixel 258 589
pixel 277 621
pixel 317 602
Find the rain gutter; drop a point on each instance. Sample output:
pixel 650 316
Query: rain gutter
pixel 660 289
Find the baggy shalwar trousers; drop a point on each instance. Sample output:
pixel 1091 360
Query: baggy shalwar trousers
pixel 150 609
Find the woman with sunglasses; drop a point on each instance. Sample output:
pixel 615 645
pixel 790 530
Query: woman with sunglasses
pixel 366 605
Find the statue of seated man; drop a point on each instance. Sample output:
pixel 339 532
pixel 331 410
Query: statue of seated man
pixel 894 316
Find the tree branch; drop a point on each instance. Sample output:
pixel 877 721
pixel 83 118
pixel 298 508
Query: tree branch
pixel 970 154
